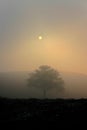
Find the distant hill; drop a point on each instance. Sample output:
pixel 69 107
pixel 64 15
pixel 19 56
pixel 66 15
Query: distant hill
pixel 14 85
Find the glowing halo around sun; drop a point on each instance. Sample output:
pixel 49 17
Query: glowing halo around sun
pixel 40 37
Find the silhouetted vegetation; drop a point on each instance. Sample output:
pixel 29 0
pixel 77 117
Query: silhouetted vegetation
pixel 46 78
pixel 36 110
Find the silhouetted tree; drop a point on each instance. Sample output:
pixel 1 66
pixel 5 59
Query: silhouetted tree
pixel 46 78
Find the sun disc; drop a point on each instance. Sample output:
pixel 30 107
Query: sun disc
pixel 40 37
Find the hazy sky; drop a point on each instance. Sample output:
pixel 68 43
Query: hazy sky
pixel 61 23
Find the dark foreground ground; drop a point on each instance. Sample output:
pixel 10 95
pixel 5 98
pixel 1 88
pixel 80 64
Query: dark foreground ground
pixel 35 112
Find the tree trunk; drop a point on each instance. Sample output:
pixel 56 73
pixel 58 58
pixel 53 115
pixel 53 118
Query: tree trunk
pixel 44 93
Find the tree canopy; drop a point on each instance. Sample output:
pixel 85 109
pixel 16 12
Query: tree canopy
pixel 46 78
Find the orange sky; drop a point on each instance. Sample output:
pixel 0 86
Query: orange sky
pixel 63 27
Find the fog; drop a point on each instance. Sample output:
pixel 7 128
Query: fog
pixel 61 23
pixel 62 26
pixel 14 85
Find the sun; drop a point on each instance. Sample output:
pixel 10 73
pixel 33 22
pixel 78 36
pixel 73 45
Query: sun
pixel 40 37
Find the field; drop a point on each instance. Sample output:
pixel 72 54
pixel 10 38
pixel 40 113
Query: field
pixel 67 112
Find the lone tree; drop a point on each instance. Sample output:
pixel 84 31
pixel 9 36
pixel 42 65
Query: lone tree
pixel 46 78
